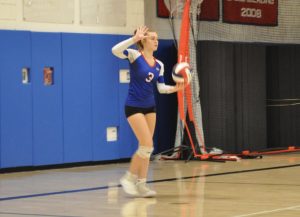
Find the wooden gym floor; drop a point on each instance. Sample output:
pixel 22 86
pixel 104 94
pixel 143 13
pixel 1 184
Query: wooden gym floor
pixel 257 187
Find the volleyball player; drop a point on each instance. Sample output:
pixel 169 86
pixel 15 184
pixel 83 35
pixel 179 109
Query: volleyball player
pixel 140 111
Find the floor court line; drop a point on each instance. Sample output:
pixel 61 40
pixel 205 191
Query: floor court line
pixel 268 211
pixel 30 214
pixel 153 181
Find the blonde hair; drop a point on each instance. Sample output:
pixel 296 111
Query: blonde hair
pixel 139 44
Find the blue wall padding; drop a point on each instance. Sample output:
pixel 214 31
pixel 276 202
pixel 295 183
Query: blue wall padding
pixel 105 99
pixel 128 142
pixel 47 100
pixel 16 100
pixel 67 121
pixel 77 95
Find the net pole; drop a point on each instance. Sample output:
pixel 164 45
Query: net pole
pixel 182 20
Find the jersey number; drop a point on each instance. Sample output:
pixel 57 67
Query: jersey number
pixel 149 77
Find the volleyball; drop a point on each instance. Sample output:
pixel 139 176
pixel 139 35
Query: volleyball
pixel 182 73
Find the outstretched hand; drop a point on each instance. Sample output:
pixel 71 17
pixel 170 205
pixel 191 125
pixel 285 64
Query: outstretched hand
pixel 140 33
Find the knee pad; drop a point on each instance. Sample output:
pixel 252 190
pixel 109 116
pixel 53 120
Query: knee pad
pixel 144 151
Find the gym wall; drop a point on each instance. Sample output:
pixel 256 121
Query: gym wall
pixel 66 122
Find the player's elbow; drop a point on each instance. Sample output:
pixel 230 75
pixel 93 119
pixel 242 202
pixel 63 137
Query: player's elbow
pixel 163 89
pixel 117 52
pixel 114 51
pixel 160 91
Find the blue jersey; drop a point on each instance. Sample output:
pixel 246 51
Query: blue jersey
pixel 143 77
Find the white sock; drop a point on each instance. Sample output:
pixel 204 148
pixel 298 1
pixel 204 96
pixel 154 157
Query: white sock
pixel 130 176
pixel 140 181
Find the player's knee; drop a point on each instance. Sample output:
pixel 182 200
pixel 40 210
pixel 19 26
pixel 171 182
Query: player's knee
pixel 144 151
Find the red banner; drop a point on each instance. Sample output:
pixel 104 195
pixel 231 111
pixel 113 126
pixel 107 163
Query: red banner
pixel 255 12
pixel 209 10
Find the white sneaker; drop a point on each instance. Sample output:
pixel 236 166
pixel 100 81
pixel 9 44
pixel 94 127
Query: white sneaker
pixel 144 191
pixel 215 150
pixel 128 183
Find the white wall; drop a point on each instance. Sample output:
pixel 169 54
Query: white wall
pixel 140 12
pixel 13 13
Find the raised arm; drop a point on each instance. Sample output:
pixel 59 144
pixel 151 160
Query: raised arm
pixel 118 49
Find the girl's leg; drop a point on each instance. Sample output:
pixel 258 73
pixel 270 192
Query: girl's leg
pixel 139 125
pixel 151 120
pixel 142 188
pixel 141 130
